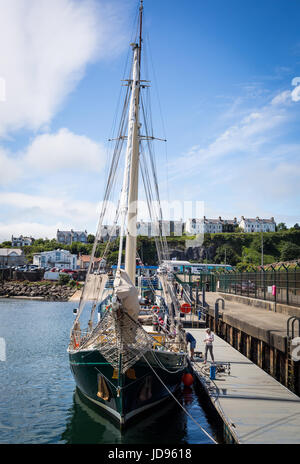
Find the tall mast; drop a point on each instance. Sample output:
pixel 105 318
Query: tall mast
pixel 133 149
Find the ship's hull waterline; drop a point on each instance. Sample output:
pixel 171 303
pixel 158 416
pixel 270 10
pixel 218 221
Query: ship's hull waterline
pixel 142 386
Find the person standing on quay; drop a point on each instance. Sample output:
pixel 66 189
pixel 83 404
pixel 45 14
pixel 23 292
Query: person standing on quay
pixel 209 338
pixel 192 341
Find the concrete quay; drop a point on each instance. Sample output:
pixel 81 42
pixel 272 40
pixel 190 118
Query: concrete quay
pixel 254 407
pixel 288 310
pixel 260 335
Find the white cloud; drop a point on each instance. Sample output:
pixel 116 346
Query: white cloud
pixel 44 47
pixel 51 206
pixel 41 216
pixel 49 153
pixel 64 150
pixel 248 135
pixel 245 136
pixel 10 170
pixel 281 98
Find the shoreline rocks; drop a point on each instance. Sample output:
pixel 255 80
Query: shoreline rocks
pixel 47 291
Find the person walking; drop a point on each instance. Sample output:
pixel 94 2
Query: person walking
pixel 209 339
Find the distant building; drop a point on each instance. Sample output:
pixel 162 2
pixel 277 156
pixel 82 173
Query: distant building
pixel 164 227
pixel 12 257
pixel 67 237
pixel 229 224
pixel 143 228
pixel 176 228
pixel 56 258
pixel 193 226
pixel 204 226
pixel 84 261
pixel 213 226
pixel 21 241
pixel 106 231
pixel 152 229
pixel 257 224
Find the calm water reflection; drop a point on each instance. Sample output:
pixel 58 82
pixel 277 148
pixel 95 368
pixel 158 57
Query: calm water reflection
pixel 39 403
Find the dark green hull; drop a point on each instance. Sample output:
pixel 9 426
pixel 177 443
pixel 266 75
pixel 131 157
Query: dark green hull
pixel 132 393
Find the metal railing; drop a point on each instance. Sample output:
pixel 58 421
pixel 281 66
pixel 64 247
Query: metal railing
pixel 280 284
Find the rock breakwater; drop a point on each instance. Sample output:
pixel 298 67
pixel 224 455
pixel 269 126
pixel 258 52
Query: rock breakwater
pixel 41 290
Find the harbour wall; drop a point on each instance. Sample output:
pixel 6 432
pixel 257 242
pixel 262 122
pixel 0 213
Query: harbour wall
pixel 269 349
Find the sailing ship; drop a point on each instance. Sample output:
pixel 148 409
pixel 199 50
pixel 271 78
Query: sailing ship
pixel 118 364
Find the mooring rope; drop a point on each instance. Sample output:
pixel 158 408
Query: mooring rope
pixel 182 407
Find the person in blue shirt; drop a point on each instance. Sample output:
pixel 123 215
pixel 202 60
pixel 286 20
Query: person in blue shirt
pixel 192 341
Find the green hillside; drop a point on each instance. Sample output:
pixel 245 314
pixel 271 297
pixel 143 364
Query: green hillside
pixel 241 249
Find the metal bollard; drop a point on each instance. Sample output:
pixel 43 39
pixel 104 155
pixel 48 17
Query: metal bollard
pixel 217 312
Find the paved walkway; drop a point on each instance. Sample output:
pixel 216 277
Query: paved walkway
pixel 260 323
pixel 256 408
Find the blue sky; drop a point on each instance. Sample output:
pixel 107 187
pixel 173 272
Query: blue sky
pixel 226 75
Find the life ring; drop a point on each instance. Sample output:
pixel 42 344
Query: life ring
pixel 155 307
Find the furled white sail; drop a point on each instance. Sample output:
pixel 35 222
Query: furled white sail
pixel 127 293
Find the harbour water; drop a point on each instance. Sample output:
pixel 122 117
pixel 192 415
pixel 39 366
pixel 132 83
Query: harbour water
pixel 39 403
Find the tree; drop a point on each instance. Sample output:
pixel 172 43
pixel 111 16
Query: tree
pixel 6 244
pixel 290 251
pixel 269 245
pixel 296 226
pixel 39 241
pixel 243 267
pixel 238 230
pixel 282 226
pixel 91 238
pixel 231 257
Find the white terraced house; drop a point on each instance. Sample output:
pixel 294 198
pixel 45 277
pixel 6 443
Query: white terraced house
pixel 151 229
pixel 204 226
pixel 193 226
pixel 257 224
pixel 143 228
pixel 61 259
